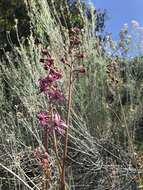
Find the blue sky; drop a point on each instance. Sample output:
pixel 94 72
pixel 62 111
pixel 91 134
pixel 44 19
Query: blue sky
pixel 120 12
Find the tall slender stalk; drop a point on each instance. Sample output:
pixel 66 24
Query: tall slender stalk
pixel 63 187
pixel 46 138
pixel 45 179
pixel 56 152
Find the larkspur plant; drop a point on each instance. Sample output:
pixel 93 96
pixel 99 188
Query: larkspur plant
pixel 50 120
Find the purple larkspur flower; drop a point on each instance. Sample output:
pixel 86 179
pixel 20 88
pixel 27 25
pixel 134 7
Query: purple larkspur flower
pixel 56 118
pixel 55 74
pixel 59 125
pixel 43 118
pixel 44 83
pixel 55 95
pixel 53 122
pixel 48 62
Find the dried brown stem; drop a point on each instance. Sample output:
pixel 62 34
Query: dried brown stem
pixel 56 152
pixel 63 187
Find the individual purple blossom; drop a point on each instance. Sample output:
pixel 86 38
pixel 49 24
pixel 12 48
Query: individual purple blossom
pixel 57 118
pixel 55 74
pixel 48 62
pixel 43 118
pixel 55 95
pixel 44 83
pixel 52 122
pixel 59 125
